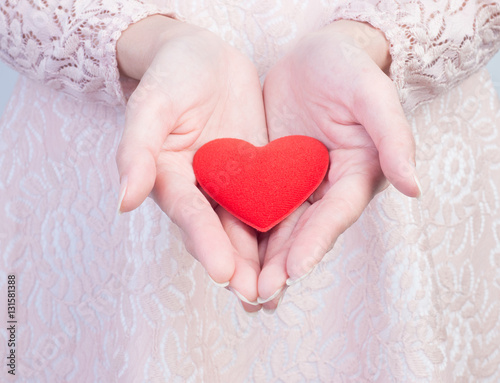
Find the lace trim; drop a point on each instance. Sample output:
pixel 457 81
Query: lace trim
pixel 70 45
pixel 433 46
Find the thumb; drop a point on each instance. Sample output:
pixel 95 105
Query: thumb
pixel 144 133
pixel 380 112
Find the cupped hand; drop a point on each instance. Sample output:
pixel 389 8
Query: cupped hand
pixel 193 88
pixel 332 86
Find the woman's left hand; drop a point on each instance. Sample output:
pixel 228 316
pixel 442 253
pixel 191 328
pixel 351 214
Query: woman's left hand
pixel 332 86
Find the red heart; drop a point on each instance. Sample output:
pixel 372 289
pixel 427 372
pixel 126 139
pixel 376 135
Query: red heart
pixel 261 185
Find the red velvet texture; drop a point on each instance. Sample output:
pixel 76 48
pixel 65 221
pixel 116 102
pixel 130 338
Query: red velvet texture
pixel 261 186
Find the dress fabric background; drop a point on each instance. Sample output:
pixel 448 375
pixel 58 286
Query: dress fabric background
pixel 410 293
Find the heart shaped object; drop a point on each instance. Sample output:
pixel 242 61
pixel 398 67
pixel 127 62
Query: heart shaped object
pixel 261 186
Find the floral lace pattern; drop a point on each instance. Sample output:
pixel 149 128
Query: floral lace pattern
pixel 69 45
pixel 410 293
pixel 434 45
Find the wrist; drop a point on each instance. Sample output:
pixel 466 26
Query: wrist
pixel 140 42
pixel 364 36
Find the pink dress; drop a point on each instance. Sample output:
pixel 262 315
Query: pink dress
pixel 410 293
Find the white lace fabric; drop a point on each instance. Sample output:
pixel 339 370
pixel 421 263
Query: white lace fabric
pixel 434 45
pixel 69 45
pixel 410 293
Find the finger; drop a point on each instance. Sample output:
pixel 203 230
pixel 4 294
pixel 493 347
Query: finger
pixel 203 233
pixel 247 266
pixel 272 278
pixel 325 220
pixel 263 241
pixel 379 110
pixel 146 127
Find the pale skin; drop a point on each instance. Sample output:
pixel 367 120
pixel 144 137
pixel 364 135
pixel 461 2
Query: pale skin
pixel 194 88
pixel 332 86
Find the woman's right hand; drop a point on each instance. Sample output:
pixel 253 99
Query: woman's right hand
pixel 193 88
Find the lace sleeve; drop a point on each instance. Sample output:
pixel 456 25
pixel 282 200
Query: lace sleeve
pixel 434 44
pixel 69 45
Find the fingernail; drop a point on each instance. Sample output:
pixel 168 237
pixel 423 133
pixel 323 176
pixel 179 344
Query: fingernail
pixel 268 311
pixel 290 281
pixel 262 300
pixel 242 298
pixel 272 311
pixel 121 195
pixel 413 164
pixel 225 284
pixel 415 178
pixel 252 314
pixel 279 302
